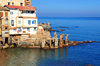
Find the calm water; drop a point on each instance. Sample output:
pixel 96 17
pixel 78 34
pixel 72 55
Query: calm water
pixel 80 55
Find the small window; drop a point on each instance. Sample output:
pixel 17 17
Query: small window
pixel 11 12
pixel 34 22
pixel 6 28
pixel 19 29
pixel 6 32
pixel 34 29
pixel 19 22
pixel 29 22
pixel 21 4
pixel 12 22
pixel 14 29
pixel 12 3
pixel 8 3
pixel 6 22
pixel 32 12
pixel 28 29
pixel 27 4
pixel 1 22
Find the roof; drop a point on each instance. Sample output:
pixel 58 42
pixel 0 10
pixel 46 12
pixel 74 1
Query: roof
pixel 4 9
pixel 21 7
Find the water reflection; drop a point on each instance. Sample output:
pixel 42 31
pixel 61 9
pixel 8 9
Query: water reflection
pixel 31 57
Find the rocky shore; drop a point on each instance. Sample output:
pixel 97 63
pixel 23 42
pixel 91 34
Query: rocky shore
pixel 42 39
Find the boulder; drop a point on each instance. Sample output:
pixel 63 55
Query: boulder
pixel 61 29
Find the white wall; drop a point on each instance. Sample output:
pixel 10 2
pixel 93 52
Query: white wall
pixel 26 22
pixel 14 17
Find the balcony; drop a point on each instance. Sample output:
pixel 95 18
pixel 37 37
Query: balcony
pixel 28 15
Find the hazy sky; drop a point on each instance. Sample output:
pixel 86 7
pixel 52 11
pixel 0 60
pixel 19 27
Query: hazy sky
pixel 67 8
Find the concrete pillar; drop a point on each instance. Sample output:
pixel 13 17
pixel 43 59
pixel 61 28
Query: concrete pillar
pixel 43 43
pixel 66 39
pixel 3 40
pixel 9 40
pixel 61 39
pixel 50 43
pixel 56 42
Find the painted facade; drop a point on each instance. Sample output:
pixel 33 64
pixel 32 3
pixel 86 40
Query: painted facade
pixel 22 21
pixel 15 2
pixel 4 23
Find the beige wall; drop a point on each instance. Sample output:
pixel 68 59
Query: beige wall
pixel 16 2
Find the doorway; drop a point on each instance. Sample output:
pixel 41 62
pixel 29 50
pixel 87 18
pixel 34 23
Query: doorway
pixel 6 40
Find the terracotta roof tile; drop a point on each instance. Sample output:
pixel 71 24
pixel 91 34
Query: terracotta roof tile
pixel 21 7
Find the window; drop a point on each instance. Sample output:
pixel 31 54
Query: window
pixel 21 4
pixel 28 29
pixel 6 22
pixel 19 22
pixel 12 3
pixel 1 22
pixel 29 22
pixel 32 12
pixel 6 28
pixel 19 29
pixel 6 32
pixel 27 4
pixel 14 29
pixel 12 22
pixel 34 29
pixel 34 22
pixel 11 12
pixel 8 3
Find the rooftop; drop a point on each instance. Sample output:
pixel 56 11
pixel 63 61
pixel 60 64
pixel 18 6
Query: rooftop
pixel 3 9
pixel 21 7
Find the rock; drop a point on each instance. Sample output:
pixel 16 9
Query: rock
pixel 52 30
pixel 61 29
pixel 76 26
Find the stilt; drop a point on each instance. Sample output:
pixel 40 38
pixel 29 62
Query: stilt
pixel 3 40
pixel 66 39
pixel 61 40
pixel 56 42
pixel 43 43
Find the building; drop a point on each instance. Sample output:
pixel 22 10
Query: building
pixel 15 2
pixel 23 20
pixel 4 24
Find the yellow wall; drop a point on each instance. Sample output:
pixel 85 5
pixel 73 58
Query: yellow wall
pixel 16 2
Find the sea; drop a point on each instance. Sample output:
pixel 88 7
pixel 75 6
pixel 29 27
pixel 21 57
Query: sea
pixel 78 28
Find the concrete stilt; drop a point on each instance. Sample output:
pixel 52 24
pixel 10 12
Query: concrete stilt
pixel 56 42
pixel 9 40
pixel 66 39
pixel 43 43
pixel 61 40
pixel 3 40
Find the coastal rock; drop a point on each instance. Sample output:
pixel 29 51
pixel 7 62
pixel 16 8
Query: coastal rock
pixel 61 29
pixel 76 26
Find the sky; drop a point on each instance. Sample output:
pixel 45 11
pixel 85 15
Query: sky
pixel 67 8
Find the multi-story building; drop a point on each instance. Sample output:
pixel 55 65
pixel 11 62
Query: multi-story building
pixel 4 24
pixel 23 20
pixel 15 2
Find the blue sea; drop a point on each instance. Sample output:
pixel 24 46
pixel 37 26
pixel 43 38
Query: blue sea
pixel 79 29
